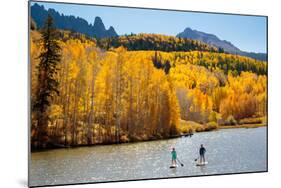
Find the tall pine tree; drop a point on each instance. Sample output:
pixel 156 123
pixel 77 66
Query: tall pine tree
pixel 47 84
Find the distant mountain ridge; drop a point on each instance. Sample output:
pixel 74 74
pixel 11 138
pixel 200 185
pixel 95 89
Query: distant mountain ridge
pixel 215 41
pixel 98 30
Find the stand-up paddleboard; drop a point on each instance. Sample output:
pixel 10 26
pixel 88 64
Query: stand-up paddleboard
pixel 201 164
pixel 173 166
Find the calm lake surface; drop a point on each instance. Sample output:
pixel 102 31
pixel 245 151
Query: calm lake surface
pixel 228 151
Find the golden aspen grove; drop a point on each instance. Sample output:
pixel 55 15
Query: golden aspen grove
pixel 143 87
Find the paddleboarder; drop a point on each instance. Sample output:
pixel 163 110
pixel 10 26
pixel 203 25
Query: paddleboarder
pixel 174 157
pixel 202 152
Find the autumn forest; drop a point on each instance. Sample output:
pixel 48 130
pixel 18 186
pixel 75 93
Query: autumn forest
pixel 138 87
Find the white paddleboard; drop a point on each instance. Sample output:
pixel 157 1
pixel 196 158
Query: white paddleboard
pixel 201 164
pixel 173 166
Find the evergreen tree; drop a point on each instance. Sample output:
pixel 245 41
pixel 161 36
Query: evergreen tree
pixel 47 83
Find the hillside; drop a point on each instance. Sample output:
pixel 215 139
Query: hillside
pixel 159 42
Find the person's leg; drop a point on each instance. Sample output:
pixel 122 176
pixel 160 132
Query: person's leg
pixel 200 158
pixel 203 156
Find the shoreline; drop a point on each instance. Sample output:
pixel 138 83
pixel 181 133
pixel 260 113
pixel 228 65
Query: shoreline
pixel 243 126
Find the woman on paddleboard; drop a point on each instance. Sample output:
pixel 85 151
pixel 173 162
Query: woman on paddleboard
pixel 174 157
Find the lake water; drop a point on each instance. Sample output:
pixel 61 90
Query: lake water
pixel 228 151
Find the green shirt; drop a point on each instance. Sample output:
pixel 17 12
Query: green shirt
pixel 174 155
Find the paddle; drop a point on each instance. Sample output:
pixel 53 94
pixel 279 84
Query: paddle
pixel 180 162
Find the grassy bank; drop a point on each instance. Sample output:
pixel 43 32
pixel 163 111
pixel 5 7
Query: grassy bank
pixel 242 126
pixel 247 123
pixel 191 126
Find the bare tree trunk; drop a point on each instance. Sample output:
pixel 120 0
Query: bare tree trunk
pixel 74 127
pixel 66 101
pixel 129 124
pixel 117 105
pixel 91 115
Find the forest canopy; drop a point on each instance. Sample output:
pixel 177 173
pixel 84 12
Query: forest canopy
pixel 159 42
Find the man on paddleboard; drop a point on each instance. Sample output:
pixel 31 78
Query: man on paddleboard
pixel 202 152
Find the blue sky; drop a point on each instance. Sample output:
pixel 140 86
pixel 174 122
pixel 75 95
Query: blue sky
pixel 248 33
